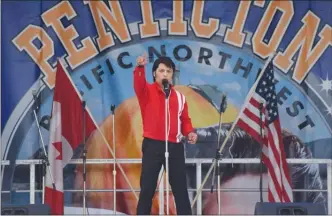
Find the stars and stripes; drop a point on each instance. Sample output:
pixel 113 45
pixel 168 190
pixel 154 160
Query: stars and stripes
pixel 264 98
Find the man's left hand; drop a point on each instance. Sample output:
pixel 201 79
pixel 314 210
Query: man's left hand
pixel 192 138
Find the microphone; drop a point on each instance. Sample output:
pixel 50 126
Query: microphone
pixel 34 95
pixel 166 87
pixel 223 103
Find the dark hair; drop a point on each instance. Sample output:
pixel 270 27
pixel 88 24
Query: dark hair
pixel 164 60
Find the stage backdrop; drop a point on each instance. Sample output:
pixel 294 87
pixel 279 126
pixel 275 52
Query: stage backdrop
pixel 218 48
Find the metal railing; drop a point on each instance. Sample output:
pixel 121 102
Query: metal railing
pixel 198 162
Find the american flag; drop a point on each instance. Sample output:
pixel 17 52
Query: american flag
pixel 273 154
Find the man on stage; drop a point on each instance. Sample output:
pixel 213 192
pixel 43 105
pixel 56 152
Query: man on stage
pixel 151 98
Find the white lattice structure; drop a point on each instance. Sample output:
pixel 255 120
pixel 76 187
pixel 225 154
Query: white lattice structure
pixel 198 163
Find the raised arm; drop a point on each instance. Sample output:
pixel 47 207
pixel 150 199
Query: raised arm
pixel 140 84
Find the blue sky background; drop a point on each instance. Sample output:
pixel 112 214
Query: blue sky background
pixel 118 87
pixel 19 72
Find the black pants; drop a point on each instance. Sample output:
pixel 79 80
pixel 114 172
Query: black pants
pixel 153 158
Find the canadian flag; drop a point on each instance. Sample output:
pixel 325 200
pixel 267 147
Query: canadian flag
pixel 66 134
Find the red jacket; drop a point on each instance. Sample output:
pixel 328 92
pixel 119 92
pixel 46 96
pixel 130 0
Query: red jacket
pixel 151 98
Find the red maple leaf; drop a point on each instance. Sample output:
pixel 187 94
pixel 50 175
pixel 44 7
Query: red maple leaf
pixel 58 146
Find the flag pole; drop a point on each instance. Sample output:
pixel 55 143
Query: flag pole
pixel 45 160
pixel 249 95
pixel 101 133
pixel 261 151
pixel 112 153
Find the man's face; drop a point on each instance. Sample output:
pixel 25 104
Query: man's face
pixel 163 72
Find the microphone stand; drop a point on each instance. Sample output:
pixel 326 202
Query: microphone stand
pixel 261 162
pixel 218 156
pixel 167 92
pixel 249 95
pixel 114 169
pixel 84 158
pixel 44 157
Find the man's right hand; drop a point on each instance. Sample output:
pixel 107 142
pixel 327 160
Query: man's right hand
pixel 141 60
